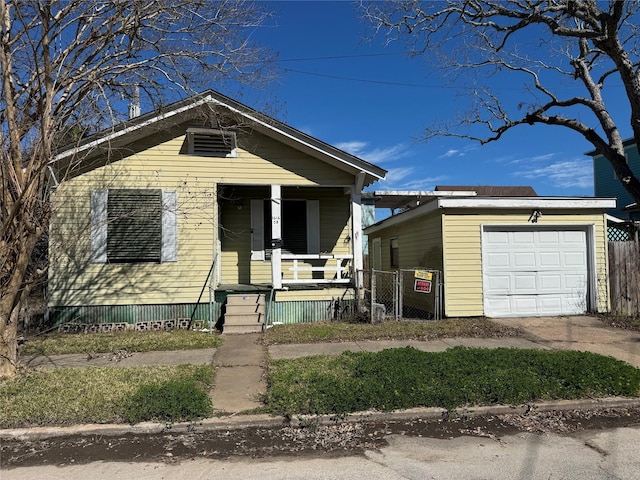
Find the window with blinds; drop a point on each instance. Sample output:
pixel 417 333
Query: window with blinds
pixel 134 226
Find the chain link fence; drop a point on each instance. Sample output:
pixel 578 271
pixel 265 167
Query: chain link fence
pixel 409 293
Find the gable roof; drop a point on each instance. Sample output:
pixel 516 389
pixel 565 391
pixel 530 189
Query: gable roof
pixel 491 191
pixel 191 108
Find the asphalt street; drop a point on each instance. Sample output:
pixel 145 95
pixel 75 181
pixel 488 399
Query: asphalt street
pixel 609 454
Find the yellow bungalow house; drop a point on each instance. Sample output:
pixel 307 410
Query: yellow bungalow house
pixel 502 256
pixel 205 210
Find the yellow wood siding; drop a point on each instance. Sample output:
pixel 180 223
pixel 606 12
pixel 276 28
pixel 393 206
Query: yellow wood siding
pixel 463 257
pixel 419 243
pixel 74 280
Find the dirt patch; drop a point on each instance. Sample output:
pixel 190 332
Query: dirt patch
pixel 337 439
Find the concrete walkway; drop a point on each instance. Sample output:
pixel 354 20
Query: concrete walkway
pixel 296 351
pixel 582 333
pixel 74 360
pixel 239 379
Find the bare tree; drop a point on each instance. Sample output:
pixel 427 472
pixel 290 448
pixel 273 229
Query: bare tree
pixel 69 68
pixel 570 56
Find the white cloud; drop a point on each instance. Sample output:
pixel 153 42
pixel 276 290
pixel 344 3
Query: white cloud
pixel 374 155
pixel 458 152
pixel 535 159
pixel 404 179
pixel 450 153
pixel 573 173
pixel 354 148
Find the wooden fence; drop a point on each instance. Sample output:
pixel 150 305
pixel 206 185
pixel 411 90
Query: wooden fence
pixel 624 278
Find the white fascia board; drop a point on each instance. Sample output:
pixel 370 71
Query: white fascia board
pixel 423 193
pixel 130 129
pixel 564 203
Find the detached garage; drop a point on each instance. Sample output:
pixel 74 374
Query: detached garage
pixel 504 256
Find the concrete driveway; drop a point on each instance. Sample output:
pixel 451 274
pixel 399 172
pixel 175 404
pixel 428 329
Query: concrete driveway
pixel 582 333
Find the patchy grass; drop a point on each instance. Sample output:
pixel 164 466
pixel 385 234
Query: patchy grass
pixel 66 396
pixel 627 323
pixel 419 330
pixel 56 344
pixel 405 378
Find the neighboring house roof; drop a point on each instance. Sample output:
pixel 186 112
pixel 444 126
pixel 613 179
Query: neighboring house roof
pixel 193 108
pixel 503 203
pixel 490 190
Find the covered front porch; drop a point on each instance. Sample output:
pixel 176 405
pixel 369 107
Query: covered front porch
pixel 281 237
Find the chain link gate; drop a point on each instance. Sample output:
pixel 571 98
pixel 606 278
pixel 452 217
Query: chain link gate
pixel 420 294
pixel 380 295
pixel 408 293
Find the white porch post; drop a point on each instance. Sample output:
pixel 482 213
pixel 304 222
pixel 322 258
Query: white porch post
pixel 276 233
pixel 356 228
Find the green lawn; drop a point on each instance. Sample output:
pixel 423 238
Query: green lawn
pixel 66 396
pixel 405 378
pixel 390 330
pixel 56 344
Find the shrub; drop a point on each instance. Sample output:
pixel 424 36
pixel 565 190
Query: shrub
pixel 171 401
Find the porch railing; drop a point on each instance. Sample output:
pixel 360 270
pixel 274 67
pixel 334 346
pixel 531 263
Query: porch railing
pixel 340 266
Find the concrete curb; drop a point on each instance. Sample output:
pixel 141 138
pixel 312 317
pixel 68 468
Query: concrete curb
pixel 236 422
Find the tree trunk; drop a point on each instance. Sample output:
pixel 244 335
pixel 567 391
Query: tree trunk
pixel 8 343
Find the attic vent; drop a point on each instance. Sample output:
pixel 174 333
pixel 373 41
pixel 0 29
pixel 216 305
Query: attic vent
pixel 210 142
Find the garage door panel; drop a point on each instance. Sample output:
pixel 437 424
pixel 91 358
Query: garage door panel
pixel 526 304
pixel 574 259
pixel 500 305
pixel 524 283
pixel 522 259
pixel 550 260
pixel 551 282
pixel 550 304
pixel 534 272
pixel 548 238
pixel 496 238
pixel 498 260
pixel 522 238
pixel 575 281
pixel 576 237
pixel 499 284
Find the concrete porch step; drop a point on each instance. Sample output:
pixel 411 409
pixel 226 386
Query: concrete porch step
pixel 244 313
pixel 249 309
pixel 243 318
pixel 241 329
pixel 246 299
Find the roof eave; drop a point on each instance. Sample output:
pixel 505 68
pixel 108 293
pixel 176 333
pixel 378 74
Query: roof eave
pixel 264 123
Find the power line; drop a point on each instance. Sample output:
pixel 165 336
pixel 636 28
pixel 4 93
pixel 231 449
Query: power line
pixel 340 57
pixel 365 80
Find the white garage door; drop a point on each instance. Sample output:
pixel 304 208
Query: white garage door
pixel 534 272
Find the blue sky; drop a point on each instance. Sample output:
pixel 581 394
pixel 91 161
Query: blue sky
pixel 372 100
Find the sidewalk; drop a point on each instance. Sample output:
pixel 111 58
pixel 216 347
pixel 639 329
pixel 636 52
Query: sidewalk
pixel 239 379
pixel 239 362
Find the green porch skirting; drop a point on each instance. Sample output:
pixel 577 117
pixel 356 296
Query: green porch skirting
pixel 98 314
pixel 277 312
pixel 309 311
